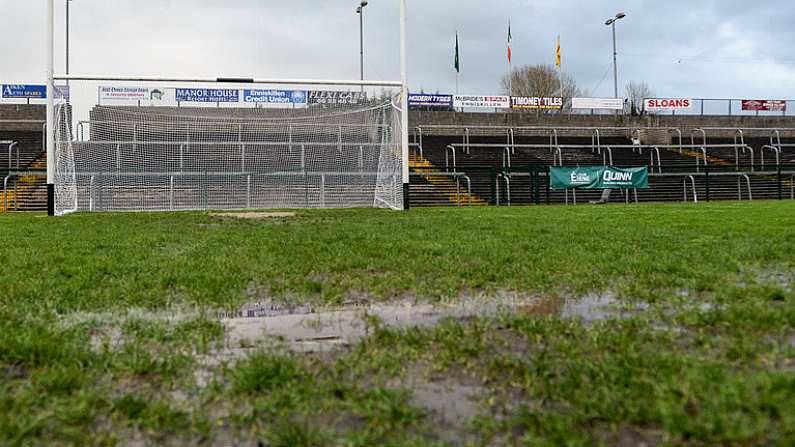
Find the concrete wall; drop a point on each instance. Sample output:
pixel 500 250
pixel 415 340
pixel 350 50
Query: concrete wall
pixel 12 114
pixel 37 112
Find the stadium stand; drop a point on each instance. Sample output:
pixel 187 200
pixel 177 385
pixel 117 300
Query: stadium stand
pixel 716 167
pixel 461 165
pixel 22 158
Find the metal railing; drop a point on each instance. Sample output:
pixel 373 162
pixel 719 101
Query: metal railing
pixel 15 177
pixel 140 128
pixel 712 182
pixel 95 191
pixel 607 152
pixel 693 185
pixel 11 146
pixel 507 180
pixel 740 189
pixel 451 149
pixel 458 176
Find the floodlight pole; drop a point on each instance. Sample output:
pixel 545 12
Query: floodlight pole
pixel 611 22
pixel 361 44
pixel 67 35
pixel 360 11
pixel 50 134
pixel 404 96
pixel 615 62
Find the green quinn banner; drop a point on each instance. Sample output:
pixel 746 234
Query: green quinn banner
pixel 598 177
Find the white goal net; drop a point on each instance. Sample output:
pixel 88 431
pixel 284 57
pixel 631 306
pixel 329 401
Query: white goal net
pixel 189 146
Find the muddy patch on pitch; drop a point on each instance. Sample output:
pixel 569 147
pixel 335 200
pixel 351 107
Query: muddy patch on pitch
pixel 452 407
pixel 635 437
pixel 307 329
pixel 254 215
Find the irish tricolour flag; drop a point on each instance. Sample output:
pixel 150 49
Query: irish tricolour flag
pixel 510 43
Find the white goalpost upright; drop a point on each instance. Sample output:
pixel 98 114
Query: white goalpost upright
pixel 329 151
pixel 50 126
pixel 404 125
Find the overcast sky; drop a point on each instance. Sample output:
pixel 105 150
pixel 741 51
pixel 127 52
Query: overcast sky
pixel 682 48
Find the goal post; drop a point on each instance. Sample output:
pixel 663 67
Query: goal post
pixel 171 144
pixel 322 145
pixel 404 126
pixel 50 125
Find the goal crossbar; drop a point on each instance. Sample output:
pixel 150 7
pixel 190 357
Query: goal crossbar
pixel 329 82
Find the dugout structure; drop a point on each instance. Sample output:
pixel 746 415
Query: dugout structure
pixel 178 155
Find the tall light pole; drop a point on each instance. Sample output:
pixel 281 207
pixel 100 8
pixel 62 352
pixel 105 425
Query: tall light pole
pixel 67 35
pixel 360 11
pixel 612 23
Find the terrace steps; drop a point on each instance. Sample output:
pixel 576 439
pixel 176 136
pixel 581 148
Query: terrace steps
pixel 27 192
pixel 442 185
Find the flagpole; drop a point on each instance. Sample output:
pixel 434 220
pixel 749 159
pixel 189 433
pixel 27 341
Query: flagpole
pixel 457 63
pixel 510 61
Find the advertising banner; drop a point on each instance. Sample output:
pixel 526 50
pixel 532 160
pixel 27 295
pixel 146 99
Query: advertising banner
pixel 598 177
pixel 524 102
pixel 668 104
pixel 765 105
pixel 331 98
pixel 482 102
pixel 598 103
pixel 20 91
pixel 207 95
pixel 284 97
pixel 108 93
pixel 426 100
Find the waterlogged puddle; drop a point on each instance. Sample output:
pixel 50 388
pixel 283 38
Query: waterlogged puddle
pixel 305 329
pixel 599 307
pixel 315 331
pixel 265 309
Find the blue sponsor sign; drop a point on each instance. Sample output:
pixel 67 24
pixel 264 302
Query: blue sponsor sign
pixel 427 100
pixel 19 91
pixel 291 97
pixel 207 95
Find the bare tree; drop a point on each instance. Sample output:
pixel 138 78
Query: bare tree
pixel 636 92
pixel 541 81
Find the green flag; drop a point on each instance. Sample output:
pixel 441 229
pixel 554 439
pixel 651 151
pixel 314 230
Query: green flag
pixel 456 62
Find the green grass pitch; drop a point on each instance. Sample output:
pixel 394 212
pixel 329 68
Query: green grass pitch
pixel 110 331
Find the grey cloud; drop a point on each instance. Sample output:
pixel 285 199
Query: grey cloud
pixel 715 48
